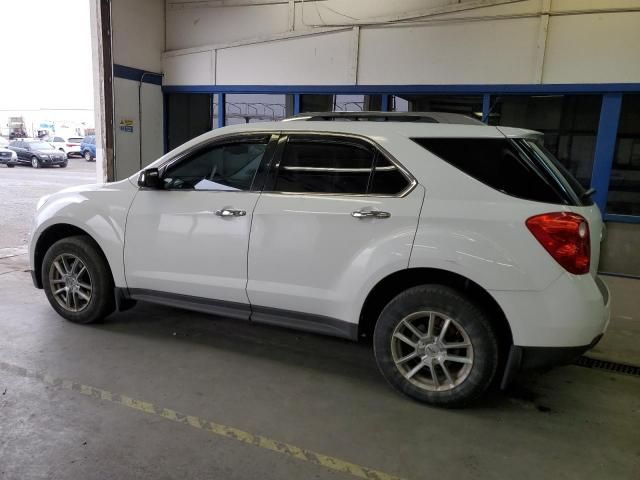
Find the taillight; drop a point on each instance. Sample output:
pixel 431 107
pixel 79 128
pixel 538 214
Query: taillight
pixel 566 237
pixel 71 144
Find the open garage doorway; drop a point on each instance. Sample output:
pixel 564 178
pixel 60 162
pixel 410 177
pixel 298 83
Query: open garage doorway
pixel 47 121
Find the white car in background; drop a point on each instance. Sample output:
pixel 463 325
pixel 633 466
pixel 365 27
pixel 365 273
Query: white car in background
pixel 466 251
pixel 68 145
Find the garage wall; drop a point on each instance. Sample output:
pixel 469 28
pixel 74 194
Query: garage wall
pixel 138 29
pixel 361 42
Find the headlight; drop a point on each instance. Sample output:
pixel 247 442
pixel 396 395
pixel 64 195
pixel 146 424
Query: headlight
pixel 44 156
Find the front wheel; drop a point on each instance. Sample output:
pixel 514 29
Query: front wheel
pixel 436 346
pixel 77 280
pixel 10 165
pixel 87 156
pixel 64 165
pixel 34 162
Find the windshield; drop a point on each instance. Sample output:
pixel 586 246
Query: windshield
pixel 39 146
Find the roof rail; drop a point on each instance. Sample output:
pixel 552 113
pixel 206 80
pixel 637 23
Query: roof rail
pixel 418 117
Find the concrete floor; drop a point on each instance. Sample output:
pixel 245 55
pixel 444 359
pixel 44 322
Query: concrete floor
pixel 315 393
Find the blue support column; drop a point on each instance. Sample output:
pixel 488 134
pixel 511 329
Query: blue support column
pixel 605 147
pixel 221 110
pixel 296 103
pixel 486 107
pixel 384 106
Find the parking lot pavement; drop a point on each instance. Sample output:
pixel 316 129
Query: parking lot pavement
pixel 22 186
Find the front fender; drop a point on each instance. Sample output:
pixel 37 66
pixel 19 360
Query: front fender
pixel 99 210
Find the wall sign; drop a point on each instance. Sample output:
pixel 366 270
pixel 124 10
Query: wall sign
pixel 126 125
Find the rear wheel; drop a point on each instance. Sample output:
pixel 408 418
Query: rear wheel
pixel 436 346
pixel 77 280
pixel 34 162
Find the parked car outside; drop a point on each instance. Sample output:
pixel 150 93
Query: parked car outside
pixel 38 153
pixel 88 147
pixel 8 157
pixel 69 145
pixel 467 252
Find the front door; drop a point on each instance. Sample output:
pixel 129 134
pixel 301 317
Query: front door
pixel 327 225
pixel 191 238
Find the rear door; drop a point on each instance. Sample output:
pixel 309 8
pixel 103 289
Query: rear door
pixel 327 225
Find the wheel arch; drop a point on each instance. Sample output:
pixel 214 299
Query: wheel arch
pixel 50 236
pixel 390 286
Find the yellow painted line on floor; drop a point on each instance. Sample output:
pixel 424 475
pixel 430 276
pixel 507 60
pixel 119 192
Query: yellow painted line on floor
pixel 266 443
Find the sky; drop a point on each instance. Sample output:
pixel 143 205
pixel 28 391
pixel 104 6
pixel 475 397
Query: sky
pixel 45 55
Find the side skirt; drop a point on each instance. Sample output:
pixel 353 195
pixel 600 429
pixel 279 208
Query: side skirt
pixel 266 315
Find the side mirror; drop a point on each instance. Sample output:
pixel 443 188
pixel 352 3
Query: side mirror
pixel 150 178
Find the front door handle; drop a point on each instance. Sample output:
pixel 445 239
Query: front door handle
pixel 230 212
pixel 370 214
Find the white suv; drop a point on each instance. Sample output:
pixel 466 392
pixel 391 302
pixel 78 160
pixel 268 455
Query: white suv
pixel 466 251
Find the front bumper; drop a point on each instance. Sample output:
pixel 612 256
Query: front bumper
pixel 37 282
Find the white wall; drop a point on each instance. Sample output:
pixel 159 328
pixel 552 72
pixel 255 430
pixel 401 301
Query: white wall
pixel 575 41
pixel 138 42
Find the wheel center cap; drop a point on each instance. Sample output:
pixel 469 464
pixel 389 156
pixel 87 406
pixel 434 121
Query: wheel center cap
pixel 433 349
pixel 70 282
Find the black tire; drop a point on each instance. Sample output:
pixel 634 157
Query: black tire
pixel 467 319
pixel 64 165
pixel 87 156
pixel 10 165
pixel 102 301
pixel 35 163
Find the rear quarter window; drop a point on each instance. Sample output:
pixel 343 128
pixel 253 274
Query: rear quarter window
pixel 498 163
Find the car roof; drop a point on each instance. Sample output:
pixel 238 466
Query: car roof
pixel 373 128
pixel 377 131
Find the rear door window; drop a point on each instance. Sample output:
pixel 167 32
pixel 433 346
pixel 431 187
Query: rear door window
pixel 324 165
pixel 500 164
pixel 387 178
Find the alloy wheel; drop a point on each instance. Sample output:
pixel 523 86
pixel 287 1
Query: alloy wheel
pixel 34 162
pixel 70 282
pixel 432 351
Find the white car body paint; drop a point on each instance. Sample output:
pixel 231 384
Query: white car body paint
pixel 306 253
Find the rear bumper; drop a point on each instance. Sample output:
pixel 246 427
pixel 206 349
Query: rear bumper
pixel 531 358
pixel 571 312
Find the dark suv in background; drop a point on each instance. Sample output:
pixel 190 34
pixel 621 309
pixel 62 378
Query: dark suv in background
pixel 38 153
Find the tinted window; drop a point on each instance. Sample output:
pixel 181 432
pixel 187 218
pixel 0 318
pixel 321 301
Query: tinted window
pixel 324 167
pixel 222 167
pixel 75 140
pixel 58 139
pixel 497 163
pixel 387 178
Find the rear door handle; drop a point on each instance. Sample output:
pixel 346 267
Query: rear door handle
pixel 230 212
pixel 370 214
